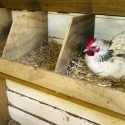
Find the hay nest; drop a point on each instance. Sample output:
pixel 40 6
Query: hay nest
pixel 2 43
pixel 44 57
pixel 78 69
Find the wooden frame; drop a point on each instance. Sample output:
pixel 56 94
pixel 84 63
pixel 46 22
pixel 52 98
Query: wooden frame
pixel 29 30
pixel 42 103
pixel 4 113
pixel 69 88
pixel 81 6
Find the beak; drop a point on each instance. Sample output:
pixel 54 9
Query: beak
pixel 85 50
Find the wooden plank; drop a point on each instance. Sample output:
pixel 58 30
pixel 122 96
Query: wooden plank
pixel 57 31
pixel 107 7
pixel 5 21
pixel 29 30
pixel 81 6
pixel 4 114
pixel 24 118
pixel 100 96
pixel 18 92
pixel 81 29
pixel 45 111
pixel 49 5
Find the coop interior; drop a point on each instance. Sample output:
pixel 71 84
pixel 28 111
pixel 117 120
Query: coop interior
pixel 44 48
pixel 58 46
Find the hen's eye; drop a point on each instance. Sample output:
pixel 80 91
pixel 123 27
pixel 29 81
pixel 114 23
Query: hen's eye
pixel 94 47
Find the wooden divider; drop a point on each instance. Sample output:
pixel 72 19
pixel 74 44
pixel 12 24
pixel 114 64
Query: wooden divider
pixel 29 30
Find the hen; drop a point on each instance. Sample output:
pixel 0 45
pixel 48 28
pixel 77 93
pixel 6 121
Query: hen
pixel 106 58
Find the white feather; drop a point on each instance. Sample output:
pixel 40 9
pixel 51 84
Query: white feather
pixel 114 66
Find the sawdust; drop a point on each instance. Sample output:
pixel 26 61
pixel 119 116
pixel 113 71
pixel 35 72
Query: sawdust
pixel 78 69
pixel 44 57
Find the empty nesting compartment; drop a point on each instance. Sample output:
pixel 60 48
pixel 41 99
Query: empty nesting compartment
pixel 28 43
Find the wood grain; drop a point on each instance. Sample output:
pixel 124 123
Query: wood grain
pixel 81 90
pixel 48 5
pixel 45 111
pixel 4 114
pixel 29 30
pixel 80 6
pixel 81 29
pixel 58 104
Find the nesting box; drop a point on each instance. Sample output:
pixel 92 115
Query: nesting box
pixel 35 96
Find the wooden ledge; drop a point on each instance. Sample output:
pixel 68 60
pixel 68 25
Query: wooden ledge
pixel 80 90
pixel 105 7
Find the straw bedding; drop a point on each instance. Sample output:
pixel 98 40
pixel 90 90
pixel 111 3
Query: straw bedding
pixel 78 69
pixel 44 57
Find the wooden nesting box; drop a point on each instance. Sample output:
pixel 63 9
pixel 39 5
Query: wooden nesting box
pixel 41 97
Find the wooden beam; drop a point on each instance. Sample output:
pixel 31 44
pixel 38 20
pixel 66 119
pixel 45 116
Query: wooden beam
pixel 107 7
pixel 4 113
pixel 82 90
pixel 49 5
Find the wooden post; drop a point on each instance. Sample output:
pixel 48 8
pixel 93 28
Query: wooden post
pixel 4 113
pixel 5 21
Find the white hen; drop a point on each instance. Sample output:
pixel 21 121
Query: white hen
pixel 106 58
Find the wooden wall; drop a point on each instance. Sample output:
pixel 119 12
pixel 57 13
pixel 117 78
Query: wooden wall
pixel 106 27
pixel 31 106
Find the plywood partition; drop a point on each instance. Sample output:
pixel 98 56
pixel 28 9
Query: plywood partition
pixel 28 32
pixel 5 21
pixel 4 114
pixel 81 29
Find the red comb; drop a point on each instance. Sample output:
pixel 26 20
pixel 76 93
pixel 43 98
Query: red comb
pixel 89 43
